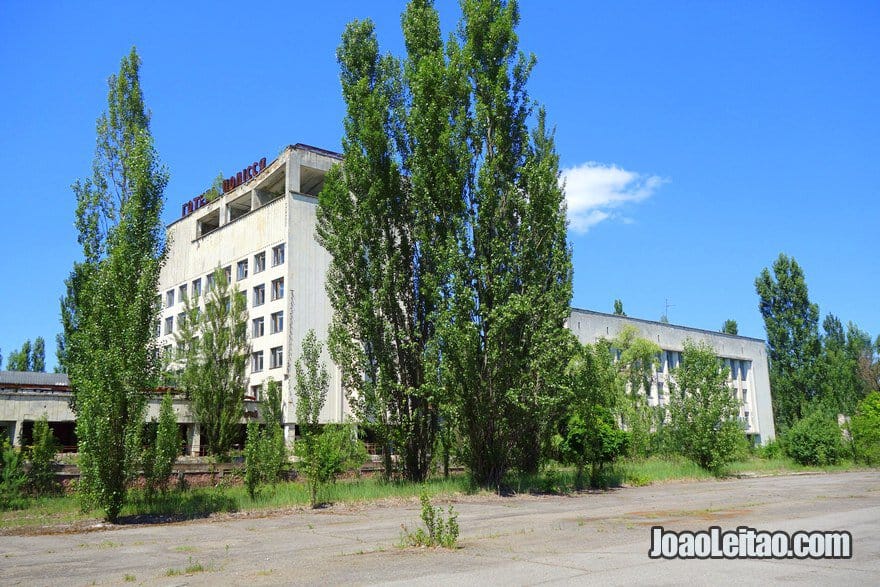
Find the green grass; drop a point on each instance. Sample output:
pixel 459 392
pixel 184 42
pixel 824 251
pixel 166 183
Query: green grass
pixel 656 470
pixel 202 502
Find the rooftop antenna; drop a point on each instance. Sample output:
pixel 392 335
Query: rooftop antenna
pixel 666 311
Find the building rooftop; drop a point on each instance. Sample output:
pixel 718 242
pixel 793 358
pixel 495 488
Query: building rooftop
pixel 667 325
pixel 32 379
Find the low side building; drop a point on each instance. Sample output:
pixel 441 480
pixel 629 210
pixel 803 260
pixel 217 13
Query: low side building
pixel 746 358
pixel 26 397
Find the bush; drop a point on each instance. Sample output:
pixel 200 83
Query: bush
pixel 865 429
pixel 162 456
pixel 327 453
pixel 12 478
pixel 771 450
pixel 41 477
pixel 438 531
pixel 265 456
pixel 814 440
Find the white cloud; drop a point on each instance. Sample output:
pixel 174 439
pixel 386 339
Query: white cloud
pixel 594 191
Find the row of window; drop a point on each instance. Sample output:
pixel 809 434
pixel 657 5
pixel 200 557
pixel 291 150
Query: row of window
pixel 258 298
pixel 241 269
pixel 276 359
pixel 660 396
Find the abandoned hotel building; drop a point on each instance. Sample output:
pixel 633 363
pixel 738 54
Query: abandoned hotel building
pixel 261 232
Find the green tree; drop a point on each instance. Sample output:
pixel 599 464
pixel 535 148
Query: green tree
pixel 503 324
pixel 704 414
pixel 212 354
pixel 618 308
pixel 41 477
pixel 730 327
pixel 388 236
pixel 589 433
pixel 22 359
pixel 274 453
pixel 793 346
pixel 865 429
pixel 637 359
pixel 111 292
pixel 161 456
pixel 840 386
pixel 312 382
pixel 38 359
pixel 450 287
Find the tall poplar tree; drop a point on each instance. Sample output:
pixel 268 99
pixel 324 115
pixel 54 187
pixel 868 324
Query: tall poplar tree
pixel 511 287
pixel 387 217
pixel 111 303
pixel 38 359
pixel 793 347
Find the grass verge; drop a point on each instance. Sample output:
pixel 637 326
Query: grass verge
pixel 174 506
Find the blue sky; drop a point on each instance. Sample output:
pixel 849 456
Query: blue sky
pixel 700 139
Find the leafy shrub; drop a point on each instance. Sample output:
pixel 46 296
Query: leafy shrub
pixel 41 477
pixel 814 440
pixel 865 429
pixel 265 456
pixel 12 478
pixel 161 456
pixel 771 450
pixel 438 531
pixel 327 453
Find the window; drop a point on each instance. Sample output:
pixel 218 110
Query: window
pixel 228 272
pixel 277 322
pixel 197 287
pixel 734 369
pixel 182 292
pixel 166 351
pixel 241 270
pixel 256 391
pixel 158 327
pixel 169 324
pixel 278 255
pixel 277 357
pixel 278 288
pixel 181 320
pixel 257 327
pixel 659 390
pixel 169 298
pixel 259 297
pixel 745 396
pixel 260 262
pixel 661 360
pixel 744 369
pixel 257 361
pixel 209 281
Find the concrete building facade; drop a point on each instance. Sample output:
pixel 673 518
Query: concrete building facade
pixel 261 231
pixel 746 358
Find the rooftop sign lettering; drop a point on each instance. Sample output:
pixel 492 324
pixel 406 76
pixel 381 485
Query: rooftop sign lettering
pixel 230 183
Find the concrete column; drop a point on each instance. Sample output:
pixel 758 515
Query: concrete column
pixel 16 432
pixel 293 179
pixel 194 440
